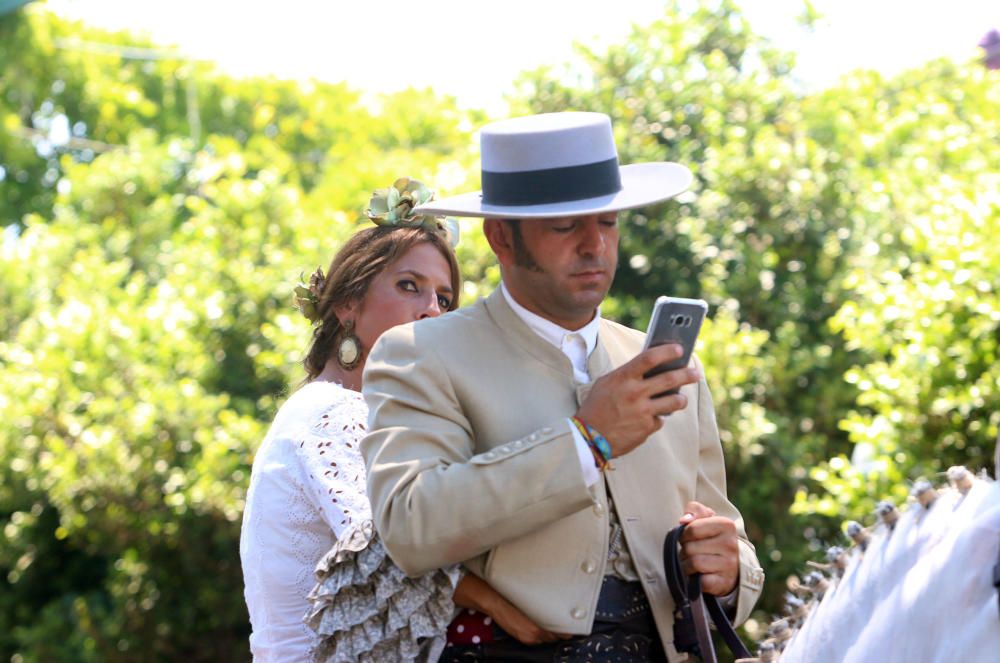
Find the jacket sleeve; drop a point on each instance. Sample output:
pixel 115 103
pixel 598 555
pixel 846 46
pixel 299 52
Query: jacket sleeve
pixel 434 500
pixel 711 491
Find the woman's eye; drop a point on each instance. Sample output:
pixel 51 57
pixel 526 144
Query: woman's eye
pixel 443 302
pixel 408 285
pixel 562 229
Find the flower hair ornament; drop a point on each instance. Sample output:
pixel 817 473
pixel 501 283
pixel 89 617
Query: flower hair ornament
pixel 305 296
pixel 393 206
pixel 306 300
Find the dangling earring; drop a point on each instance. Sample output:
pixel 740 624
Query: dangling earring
pixel 348 347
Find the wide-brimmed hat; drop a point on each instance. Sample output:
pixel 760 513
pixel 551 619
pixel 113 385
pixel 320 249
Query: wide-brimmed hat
pixel 559 164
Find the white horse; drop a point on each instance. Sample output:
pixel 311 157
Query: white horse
pixel 917 587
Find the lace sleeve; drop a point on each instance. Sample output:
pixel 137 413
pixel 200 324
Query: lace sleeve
pixel 366 610
pixel 333 471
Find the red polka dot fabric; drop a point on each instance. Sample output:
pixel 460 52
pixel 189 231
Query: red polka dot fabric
pixel 470 627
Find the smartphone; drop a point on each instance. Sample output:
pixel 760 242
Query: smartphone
pixel 675 320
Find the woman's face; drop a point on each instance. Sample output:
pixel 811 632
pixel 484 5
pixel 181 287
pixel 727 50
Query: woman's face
pixel 417 285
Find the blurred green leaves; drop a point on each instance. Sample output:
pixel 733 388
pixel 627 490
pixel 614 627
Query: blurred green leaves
pixel 146 327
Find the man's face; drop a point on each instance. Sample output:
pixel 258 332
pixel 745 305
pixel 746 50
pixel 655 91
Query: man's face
pixel 560 268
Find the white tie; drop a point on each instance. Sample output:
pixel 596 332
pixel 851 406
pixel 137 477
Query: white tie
pixel 575 348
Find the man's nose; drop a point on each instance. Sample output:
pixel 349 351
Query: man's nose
pixel 591 239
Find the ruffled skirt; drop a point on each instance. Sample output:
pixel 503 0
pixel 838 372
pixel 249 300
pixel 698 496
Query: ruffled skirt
pixel 365 609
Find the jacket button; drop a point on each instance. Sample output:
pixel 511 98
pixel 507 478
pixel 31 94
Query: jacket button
pixel 589 567
pixel 545 431
pixel 578 613
pixel 533 437
pixel 489 455
pixel 518 444
pixel 599 509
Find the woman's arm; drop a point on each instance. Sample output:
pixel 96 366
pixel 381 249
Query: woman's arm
pixel 474 592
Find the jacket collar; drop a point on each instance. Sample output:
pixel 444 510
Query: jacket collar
pixel 549 330
pixel 513 327
pixel 522 337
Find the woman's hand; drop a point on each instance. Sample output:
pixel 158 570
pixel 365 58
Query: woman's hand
pixel 474 592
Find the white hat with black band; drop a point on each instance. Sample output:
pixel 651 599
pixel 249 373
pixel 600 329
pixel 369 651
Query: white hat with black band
pixel 559 164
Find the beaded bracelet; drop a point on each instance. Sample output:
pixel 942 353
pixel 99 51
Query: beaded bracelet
pixel 597 443
pixel 582 429
pixel 600 442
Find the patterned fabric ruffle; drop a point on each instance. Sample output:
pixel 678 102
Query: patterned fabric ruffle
pixel 365 609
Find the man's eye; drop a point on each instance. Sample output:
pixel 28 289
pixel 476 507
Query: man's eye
pixel 408 285
pixel 562 229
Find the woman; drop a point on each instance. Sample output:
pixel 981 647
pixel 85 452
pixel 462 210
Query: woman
pixel 307 496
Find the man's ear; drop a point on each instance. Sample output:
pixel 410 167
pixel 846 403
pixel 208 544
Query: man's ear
pixel 501 239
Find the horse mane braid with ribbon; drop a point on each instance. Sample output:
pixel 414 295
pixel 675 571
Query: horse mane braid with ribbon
pixel 919 584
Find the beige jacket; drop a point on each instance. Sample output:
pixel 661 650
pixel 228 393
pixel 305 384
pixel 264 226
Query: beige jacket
pixel 470 457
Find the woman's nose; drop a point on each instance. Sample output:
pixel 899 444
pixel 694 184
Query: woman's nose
pixel 431 309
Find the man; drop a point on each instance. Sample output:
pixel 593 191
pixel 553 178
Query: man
pixel 473 454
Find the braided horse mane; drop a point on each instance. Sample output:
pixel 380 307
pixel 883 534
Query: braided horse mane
pixel 918 586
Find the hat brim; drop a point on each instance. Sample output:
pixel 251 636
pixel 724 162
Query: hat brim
pixel 642 184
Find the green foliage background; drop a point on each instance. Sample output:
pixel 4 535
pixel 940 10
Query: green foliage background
pixel 844 239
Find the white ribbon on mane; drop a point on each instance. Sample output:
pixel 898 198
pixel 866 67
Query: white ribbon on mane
pixel 921 592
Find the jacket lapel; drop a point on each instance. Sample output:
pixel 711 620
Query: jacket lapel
pixel 599 361
pixel 598 364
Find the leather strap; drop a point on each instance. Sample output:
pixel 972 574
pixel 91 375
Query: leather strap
pixel 700 617
pixel 689 599
pixel 725 628
pixel 996 575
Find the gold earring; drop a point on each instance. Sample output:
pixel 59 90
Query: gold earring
pixel 348 347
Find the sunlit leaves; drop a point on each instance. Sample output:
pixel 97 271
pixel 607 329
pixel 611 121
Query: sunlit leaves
pixel 147 334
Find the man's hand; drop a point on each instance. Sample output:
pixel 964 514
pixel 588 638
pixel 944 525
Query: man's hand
pixel 620 405
pixel 709 546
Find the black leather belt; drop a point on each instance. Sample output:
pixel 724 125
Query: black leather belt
pixel 620 601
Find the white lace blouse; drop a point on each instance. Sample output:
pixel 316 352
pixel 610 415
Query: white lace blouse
pixel 306 489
